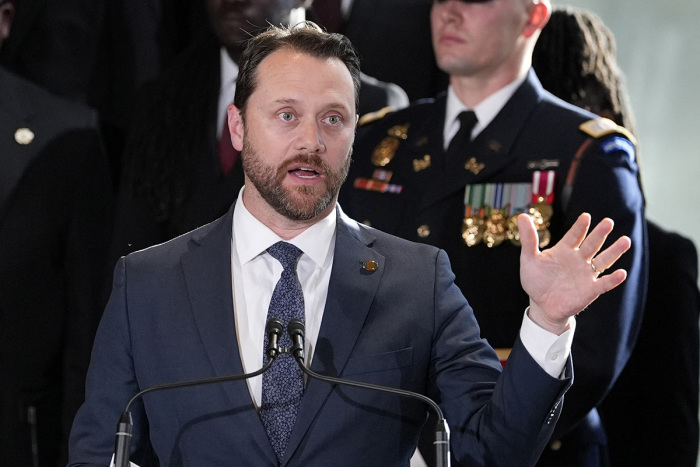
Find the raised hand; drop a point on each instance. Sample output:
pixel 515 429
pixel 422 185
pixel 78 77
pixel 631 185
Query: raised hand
pixel 566 278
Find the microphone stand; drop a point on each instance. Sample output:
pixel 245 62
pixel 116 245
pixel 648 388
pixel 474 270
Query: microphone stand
pixel 296 330
pixel 125 426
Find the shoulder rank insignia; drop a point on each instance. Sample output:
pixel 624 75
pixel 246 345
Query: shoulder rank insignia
pixel 374 116
pixel 604 126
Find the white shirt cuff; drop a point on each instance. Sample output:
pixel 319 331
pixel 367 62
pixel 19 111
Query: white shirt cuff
pixel 549 350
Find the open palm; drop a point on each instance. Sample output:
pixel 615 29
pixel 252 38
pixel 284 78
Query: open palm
pixel 561 280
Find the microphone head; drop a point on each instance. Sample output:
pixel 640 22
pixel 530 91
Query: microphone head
pixel 274 325
pixel 296 327
pixel 273 331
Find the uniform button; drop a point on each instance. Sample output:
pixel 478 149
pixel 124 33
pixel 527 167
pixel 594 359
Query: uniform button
pixel 555 445
pixel 423 231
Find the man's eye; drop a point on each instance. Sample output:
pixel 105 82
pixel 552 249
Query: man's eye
pixel 286 116
pixel 334 120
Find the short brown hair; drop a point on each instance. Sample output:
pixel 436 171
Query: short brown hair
pixel 306 37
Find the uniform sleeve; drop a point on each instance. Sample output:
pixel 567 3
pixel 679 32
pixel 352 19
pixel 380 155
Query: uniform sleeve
pixel 606 185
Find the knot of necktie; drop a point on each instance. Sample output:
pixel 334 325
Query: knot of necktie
pixel 286 253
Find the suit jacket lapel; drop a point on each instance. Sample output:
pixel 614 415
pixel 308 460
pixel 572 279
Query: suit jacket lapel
pixel 17 110
pixel 350 294
pixel 207 269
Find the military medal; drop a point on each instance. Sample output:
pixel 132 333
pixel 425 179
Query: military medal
pixel 541 204
pixel 495 231
pixel 473 229
pixel 520 199
pixel 492 209
pixel 495 198
pixel 473 225
pixel 512 230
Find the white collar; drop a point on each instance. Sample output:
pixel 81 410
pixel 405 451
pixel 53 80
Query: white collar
pixel 229 69
pixel 485 111
pixel 254 238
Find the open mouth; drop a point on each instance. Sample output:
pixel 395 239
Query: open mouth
pixel 304 172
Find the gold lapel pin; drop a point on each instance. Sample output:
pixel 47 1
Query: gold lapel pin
pixel 370 266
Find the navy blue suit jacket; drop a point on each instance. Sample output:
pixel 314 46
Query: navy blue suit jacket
pixel 171 318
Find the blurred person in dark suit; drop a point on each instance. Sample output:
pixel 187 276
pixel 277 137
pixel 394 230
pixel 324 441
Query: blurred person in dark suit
pixel 100 52
pixel 55 204
pixel 651 414
pixel 392 38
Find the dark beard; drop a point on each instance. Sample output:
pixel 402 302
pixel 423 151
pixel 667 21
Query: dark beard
pixel 301 203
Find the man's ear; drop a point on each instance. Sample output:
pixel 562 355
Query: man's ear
pixel 539 15
pixel 236 127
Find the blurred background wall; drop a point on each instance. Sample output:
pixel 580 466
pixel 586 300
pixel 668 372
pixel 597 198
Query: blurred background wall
pixel 659 51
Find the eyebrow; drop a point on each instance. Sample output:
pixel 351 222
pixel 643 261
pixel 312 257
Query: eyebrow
pixel 334 105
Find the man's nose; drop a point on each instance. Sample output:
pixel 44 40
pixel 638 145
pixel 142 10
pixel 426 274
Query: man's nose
pixel 310 137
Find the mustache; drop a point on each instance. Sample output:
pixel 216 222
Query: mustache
pixel 308 159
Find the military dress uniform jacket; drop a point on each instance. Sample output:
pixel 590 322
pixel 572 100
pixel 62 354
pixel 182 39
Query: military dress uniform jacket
pixel 418 196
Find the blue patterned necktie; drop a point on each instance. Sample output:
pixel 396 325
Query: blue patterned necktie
pixel 283 384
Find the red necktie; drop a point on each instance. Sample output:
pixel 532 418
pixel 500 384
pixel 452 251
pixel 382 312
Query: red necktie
pixel 329 14
pixel 227 153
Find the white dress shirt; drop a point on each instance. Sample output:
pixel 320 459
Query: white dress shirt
pixel 256 272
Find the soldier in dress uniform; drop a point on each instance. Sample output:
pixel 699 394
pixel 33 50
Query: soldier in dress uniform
pixel 455 170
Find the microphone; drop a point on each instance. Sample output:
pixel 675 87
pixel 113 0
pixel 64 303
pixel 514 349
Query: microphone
pixel 296 330
pixel 273 329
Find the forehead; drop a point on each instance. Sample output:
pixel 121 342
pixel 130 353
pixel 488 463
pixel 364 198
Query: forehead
pixel 290 74
pixel 502 4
